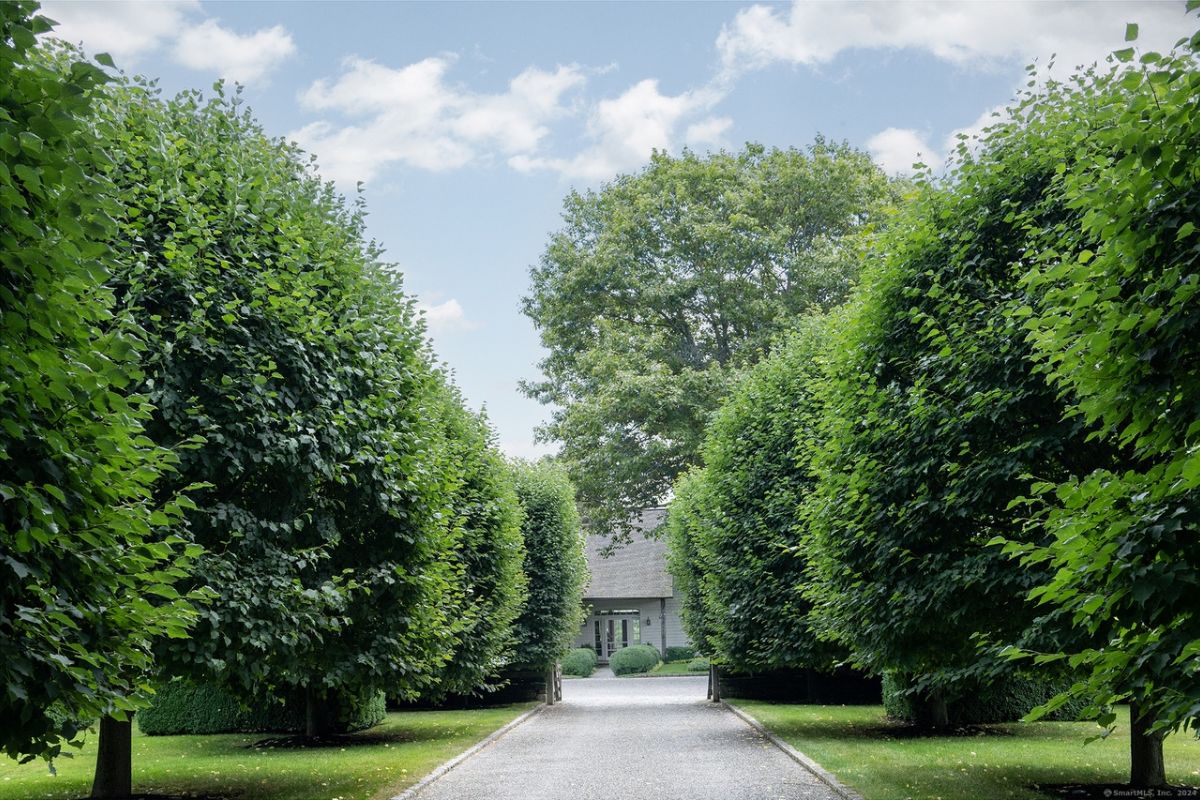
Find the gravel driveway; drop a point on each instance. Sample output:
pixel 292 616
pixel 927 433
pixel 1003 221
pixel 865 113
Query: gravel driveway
pixel 630 739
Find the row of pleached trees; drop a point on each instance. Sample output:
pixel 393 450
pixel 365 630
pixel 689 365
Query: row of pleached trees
pixel 988 460
pixel 229 454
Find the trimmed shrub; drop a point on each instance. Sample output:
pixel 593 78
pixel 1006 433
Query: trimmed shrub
pixel 700 664
pixel 679 654
pixel 629 660
pixel 1007 699
pixel 182 707
pixel 581 661
pixel 198 708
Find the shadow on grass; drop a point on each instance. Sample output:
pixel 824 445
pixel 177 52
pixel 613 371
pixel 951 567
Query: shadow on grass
pixel 885 730
pixel 361 739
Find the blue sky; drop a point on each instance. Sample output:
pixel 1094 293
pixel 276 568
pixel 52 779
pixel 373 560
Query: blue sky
pixel 469 122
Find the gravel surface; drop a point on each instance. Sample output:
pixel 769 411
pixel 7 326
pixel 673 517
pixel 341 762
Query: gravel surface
pixel 623 739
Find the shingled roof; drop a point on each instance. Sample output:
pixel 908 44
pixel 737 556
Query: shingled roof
pixel 637 569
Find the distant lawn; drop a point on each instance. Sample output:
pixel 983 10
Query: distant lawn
pixel 669 668
pixel 875 757
pixel 371 765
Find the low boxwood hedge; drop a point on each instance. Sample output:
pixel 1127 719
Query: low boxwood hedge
pixel 181 707
pixel 581 662
pixel 698 665
pixel 1005 700
pixel 679 654
pixel 629 660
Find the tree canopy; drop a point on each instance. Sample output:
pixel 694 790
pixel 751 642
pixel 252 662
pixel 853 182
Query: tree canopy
pixel 1115 326
pixel 742 528
pixel 88 556
pixel 277 335
pixel 665 283
pixel 554 565
pixel 936 418
pixel 491 588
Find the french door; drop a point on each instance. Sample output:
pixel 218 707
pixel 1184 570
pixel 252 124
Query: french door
pixel 614 632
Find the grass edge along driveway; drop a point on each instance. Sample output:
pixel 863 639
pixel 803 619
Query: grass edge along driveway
pixel 875 758
pixel 371 765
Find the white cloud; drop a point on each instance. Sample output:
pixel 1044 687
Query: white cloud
pixel 969 34
pixel 125 30
pixel 446 317
pixel 709 131
pixel 626 129
pixel 413 115
pixel 897 149
pixel 236 57
pixel 129 30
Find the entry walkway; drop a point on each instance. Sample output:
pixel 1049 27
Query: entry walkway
pixel 630 739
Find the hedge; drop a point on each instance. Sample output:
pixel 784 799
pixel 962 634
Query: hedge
pixel 581 662
pixel 700 664
pixel 181 707
pixel 1006 700
pixel 679 654
pixel 639 658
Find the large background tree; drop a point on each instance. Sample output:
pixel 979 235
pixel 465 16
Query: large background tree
pixel 665 283
pixel 735 548
pixel 86 562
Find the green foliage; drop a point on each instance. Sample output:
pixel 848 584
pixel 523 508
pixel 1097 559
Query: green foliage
pixel 679 654
pixel 1116 327
pixel 687 521
pixel 88 557
pixel 182 707
pixel 554 565
pixel 665 283
pixel 700 664
pixel 635 659
pixel 936 418
pixel 1007 699
pixel 277 334
pixel 581 661
pixel 491 586
pixel 745 542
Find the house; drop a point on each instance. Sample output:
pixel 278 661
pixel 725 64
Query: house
pixel 631 597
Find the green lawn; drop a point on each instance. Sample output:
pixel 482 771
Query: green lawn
pixel 874 757
pixel 675 668
pixel 371 765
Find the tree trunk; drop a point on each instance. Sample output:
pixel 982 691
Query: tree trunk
pixel 715 679
pixel 321 713
pixel 932 710
pixel 1146 768
pixel 550 686
pixel 114 760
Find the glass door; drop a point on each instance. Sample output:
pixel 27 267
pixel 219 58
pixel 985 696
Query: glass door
pixel 617 633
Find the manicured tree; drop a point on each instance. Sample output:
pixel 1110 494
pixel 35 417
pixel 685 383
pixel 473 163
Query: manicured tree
pixel 554 565
pixel 277 335
pixel 664 284
pixel 492 588
pixel 87 564
pixel 687 517
pixel 936 417
pixel 1117 328
pixel 758 471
